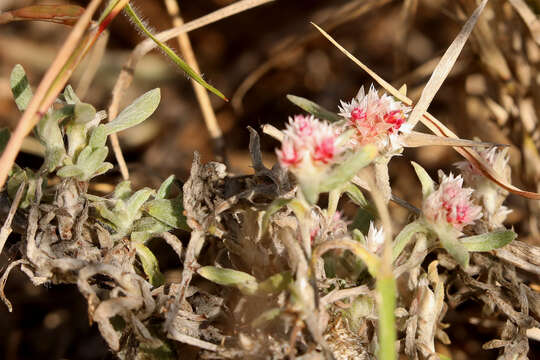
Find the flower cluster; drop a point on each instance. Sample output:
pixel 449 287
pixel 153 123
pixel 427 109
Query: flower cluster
pixel 489 194
pixel 376 119
pixel 309 142
pixel 451 203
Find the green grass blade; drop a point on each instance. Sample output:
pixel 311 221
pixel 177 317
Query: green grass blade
pixel 313 108
pixel 171 54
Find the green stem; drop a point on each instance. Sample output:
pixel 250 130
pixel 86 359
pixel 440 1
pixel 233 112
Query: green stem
pixel 405 236
pixel 386 288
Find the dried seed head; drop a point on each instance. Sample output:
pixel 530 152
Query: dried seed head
pixel 451 203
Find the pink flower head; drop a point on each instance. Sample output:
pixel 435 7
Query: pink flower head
pixel 451 203
pixel 375 118
pixel 498 159
pixel 309 139
pixel 290 154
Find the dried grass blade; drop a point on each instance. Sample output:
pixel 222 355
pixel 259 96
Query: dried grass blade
pixel 417 139
pixel 474 158
pixel 531 20
pixel 60 14
pixel 444 66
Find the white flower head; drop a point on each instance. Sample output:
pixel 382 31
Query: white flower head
pixel 375 239
pixel 377 119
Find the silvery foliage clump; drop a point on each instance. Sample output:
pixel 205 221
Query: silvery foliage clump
pixel 267 272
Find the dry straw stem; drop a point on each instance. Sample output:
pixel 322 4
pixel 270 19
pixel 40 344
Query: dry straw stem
pixel 292 46
pixel 6 228
pixel 43 97
pixel 437 127
pixel 126 75
pixel 93 62
pixel 200 92
pixel 531 20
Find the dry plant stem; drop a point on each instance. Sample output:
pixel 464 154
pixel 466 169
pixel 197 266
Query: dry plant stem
pixel 3 281
pixel 93 63
pixel 42 99
pixel 126 75
pixel 336 295
pixel 195 245
pixel 200 92
pixel 186 339
pixel 531 20
pixel 6 228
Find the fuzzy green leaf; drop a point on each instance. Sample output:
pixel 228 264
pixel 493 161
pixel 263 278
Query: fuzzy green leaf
pixel 69 95
pixel 454 247
pixel 275 283
pixel 273 208
pixel 405 236
pixel 165 189
pixel 355 194
pixel 122 190
pixel 428 185
pixel 313 108
pixel 244 282
pixel 489 241
pixel 98 138
pixel 150 264
pixel 145 228
pixel 20 87
pixel 136 201
pixel 136 113
pixel 169 211
pixel 70 171
pixel 83 113
pixel 348 169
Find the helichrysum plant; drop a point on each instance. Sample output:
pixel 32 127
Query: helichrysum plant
pixel 292 275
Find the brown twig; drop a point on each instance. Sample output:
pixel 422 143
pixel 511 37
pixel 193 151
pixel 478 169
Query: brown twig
pixel 6 228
